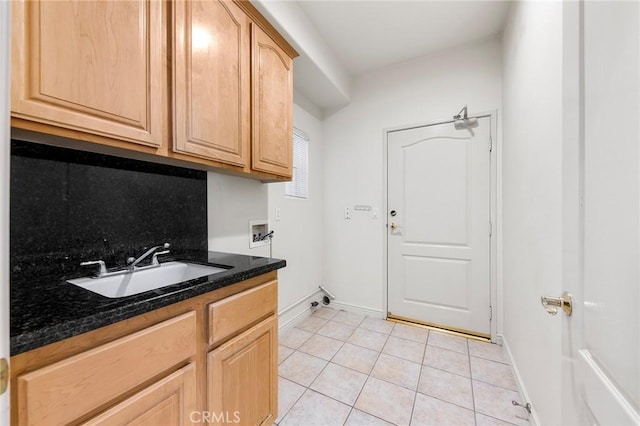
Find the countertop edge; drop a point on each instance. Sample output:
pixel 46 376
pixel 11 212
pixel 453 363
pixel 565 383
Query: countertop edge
pixel 43 336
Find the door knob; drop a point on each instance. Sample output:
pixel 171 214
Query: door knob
pixel 394 226
pixel 551 304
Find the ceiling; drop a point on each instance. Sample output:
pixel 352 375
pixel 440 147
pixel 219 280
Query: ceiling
pixel 366 35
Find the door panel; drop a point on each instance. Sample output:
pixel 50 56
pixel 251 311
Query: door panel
pixel 211 90
pixel 439 243
pixel 94 66
pixel 272 91
pixel 243 375
pixel 436 213
pixel 603 334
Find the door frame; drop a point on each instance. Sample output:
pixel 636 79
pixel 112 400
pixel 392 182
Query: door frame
pixel 495 203
pixel 5 85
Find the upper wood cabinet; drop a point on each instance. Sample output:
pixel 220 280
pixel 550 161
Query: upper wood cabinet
pixel 201 83
pixel 211 90
pixel 90 66
pixel 272 85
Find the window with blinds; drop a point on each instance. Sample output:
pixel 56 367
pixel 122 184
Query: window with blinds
pixel 299 185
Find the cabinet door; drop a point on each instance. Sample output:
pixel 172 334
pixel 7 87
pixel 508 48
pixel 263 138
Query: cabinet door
pixel 272 86
pixel 211 81
pixel 93 66
pixel 242 377
pixel 170 401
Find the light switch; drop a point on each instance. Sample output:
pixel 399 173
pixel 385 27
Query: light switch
pixel 374 213
pixel 278 213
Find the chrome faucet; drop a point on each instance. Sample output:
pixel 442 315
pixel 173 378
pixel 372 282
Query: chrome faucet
pixel 132 262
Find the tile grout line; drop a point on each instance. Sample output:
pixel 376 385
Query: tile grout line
pixel 415 397
pixel 294 403
pixel 473 397
pixel 308 388
pixel 369 376
pixel 329 362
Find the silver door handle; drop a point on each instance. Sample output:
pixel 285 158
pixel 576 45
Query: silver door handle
pixel 551 304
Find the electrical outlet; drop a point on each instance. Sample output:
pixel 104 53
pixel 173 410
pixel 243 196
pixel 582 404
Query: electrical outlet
pixel 347 213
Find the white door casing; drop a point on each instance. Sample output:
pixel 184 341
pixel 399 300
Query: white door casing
pixel 601 230
pixel 5 60
pixel 438 260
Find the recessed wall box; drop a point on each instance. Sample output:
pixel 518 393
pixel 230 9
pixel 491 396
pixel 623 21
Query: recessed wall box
pixel 257 230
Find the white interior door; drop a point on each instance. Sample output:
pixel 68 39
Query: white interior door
pixel 601 381
pixel 5 60
pixel 438 193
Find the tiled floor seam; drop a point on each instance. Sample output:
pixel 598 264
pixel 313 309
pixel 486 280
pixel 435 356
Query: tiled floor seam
pixel 282 417
pixel 473 397
pixel 493 384
pixel 320 373
pixel 499 419
pixel 489 359
pixel 365 382
pixel 415 397
pixel 447 371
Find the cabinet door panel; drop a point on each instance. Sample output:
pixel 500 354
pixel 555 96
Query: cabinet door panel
pixel 93 66
pixel 243 377
pixel 211 81
pixel 170 401
pixel 272 85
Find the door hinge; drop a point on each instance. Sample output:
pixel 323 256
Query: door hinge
pixel 490 228
pixel 490 312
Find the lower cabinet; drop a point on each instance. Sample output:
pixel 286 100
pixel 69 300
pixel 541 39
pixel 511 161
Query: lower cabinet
pixel 242 377
pixel 170 401
pixel 71 389
pixel 211 359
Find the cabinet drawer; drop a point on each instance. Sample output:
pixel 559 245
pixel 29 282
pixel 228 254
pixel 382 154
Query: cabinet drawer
pixel 170 401
pixel 69 389
pixel 235 313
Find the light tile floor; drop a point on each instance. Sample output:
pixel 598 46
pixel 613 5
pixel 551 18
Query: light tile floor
pixel 341 368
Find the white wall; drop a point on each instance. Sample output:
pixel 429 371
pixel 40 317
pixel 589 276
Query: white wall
pixel 298 238
pixel 532 197
pixel 418 91
pixel 231 203
pixel 319 75
pixel 299 233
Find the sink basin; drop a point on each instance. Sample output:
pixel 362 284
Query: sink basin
pixel 130 283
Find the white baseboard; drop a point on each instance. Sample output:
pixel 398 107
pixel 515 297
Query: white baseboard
pixel 297 311
pixel 376 313
pixel 533 418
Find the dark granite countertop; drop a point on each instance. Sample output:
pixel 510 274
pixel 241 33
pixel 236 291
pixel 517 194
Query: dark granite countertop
pixel 47 309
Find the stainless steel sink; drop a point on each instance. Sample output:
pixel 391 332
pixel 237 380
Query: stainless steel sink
pixel 129 283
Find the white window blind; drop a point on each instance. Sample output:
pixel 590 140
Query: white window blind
pixel 299 185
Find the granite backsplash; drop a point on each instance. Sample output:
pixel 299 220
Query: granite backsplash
pixel 68 206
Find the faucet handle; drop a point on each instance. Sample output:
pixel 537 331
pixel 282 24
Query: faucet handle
pixel 101 271
pixel 154 259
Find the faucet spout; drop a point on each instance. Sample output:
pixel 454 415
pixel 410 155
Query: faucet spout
pixel 133 262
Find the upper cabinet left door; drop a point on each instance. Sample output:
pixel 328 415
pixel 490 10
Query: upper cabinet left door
pixel 90 66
